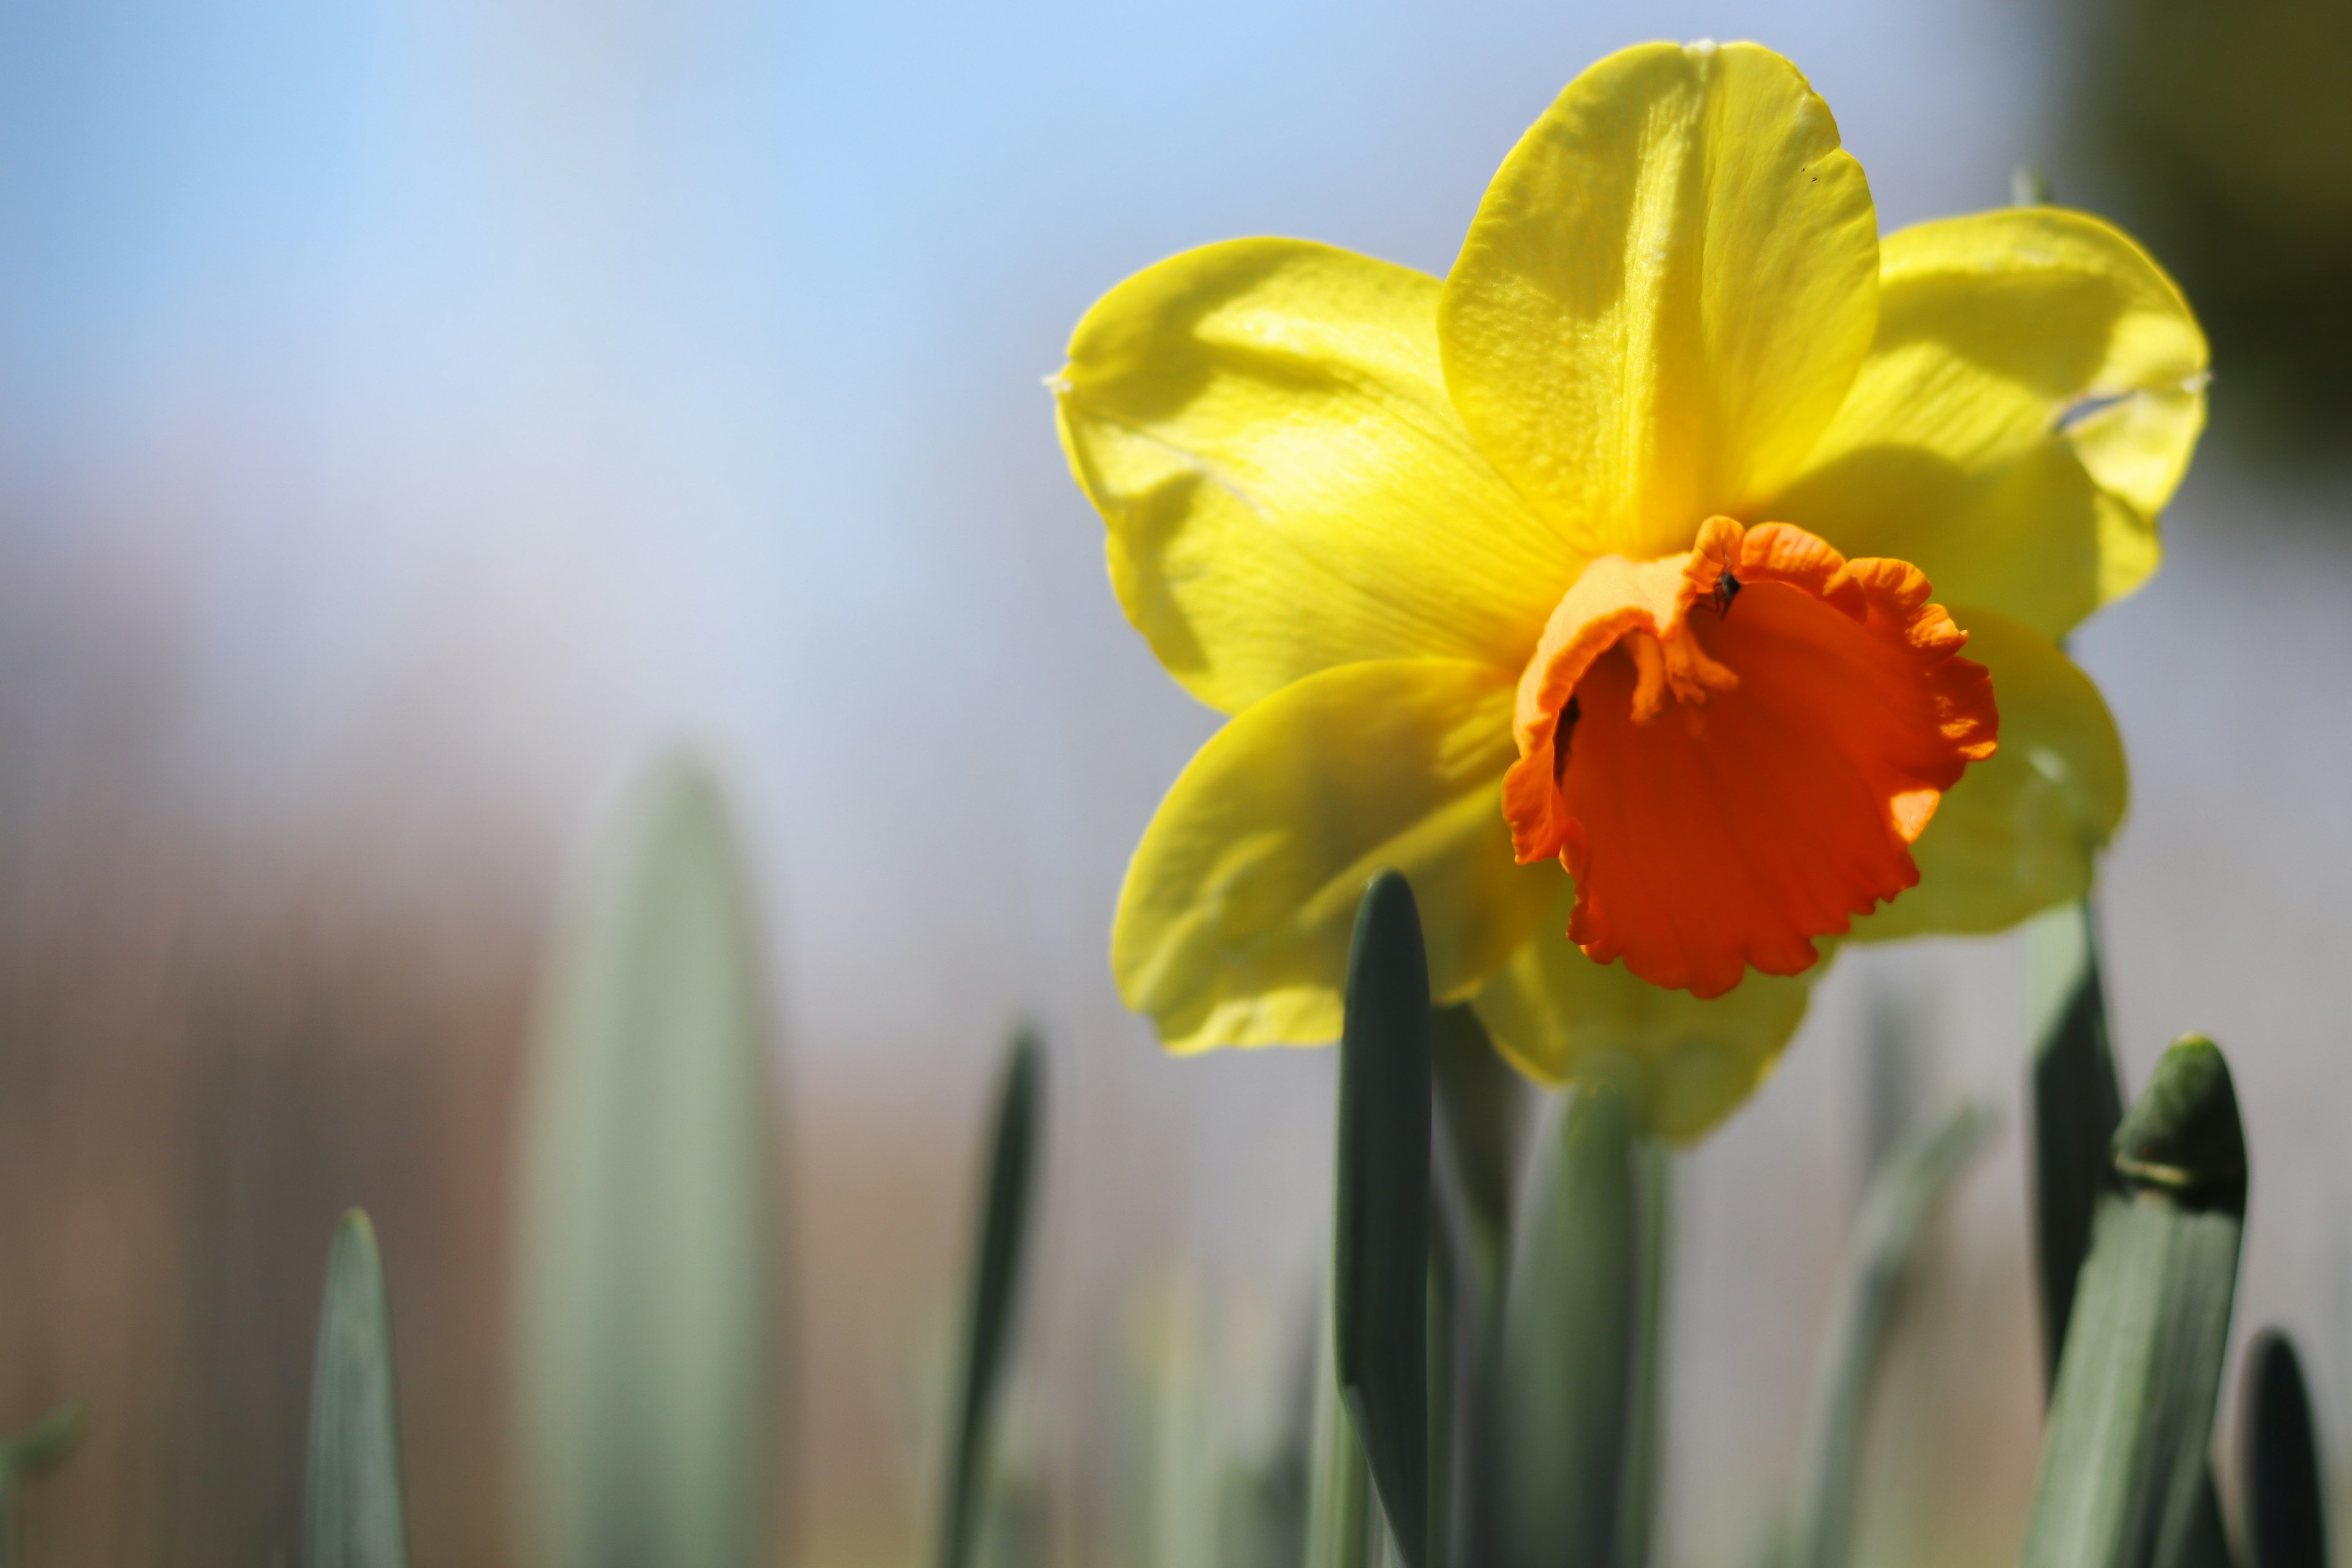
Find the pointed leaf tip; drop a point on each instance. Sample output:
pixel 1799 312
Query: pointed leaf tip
pixel 1006 1200
pixel 353 1510
pixel 2281 1475
pixel 2183 1135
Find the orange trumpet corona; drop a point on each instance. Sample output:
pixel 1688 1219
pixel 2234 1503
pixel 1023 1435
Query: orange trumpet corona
pixel 1733 750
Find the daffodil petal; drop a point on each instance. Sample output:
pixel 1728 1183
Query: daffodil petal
pixel 1560 1018
pixel 2030 404
pixel 2022 830
pixel 1265 428
pixel 1664 296
pixel 1234 924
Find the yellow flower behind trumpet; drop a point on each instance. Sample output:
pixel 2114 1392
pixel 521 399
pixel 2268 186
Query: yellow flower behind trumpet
pixel 1670 590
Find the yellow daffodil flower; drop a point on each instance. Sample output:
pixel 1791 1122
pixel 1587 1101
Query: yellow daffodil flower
pixel 1610 555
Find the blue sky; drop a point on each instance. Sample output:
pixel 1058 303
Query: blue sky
pixel 682 362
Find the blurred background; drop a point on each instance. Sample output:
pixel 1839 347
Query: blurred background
pixel 413 417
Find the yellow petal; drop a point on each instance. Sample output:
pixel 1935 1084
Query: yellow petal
pixel 2020 832
pixel 1560 1017
pixel 1264 427
pixel 1664 295
pixel 2031 403
pixel 1234 924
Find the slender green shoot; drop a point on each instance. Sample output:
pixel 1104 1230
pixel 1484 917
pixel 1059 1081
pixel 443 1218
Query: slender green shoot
pixel 353 1512
pixel 997 1253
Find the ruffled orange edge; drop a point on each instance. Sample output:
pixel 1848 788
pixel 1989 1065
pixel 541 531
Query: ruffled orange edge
pixel 1727 783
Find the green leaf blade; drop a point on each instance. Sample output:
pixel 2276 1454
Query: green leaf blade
pixel 647 1281
pixel 997 1254
pixel 2123 1479
pixel 352 1511
pixel 2281 1472
pixel 1380 1252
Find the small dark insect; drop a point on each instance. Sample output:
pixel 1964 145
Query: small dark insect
pixel 1562 737
pixel 1726 588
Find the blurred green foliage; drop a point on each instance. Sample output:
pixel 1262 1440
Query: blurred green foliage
pixel 1485 1388
pixel 647 1301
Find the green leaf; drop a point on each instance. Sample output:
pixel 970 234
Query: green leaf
pixel 996 1282
pixel 646 1284
pixel 1340 1482
pixel 1380 1256
pixel 2123 1479
pixel 2077 1105
pixel 1902 1193
pixel 353 1515
pixel 1570 1339
pixel 2280 1474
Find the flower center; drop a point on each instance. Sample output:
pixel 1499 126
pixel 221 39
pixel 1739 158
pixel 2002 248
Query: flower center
pixel 1733 750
